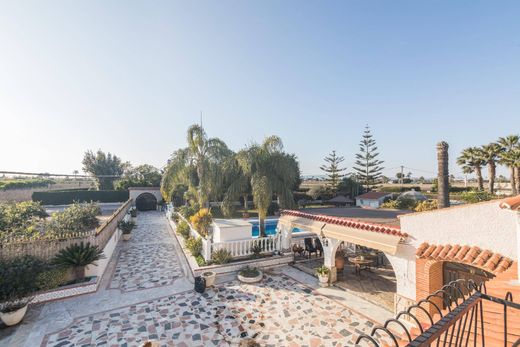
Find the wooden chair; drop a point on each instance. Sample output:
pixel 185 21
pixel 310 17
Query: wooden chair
pixel 319 246
pixel 309 247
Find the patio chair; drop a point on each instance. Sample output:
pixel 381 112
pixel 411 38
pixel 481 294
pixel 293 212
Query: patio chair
pixel 309 247
pixel 319 246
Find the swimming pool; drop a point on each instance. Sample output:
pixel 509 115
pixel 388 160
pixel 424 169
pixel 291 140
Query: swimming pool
pixel 270 227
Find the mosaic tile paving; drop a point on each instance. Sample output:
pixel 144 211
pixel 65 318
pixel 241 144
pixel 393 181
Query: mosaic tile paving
pixel 276 312
pixel 145 266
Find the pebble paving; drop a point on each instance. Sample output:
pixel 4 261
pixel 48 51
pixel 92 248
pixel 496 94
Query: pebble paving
pixel 275 312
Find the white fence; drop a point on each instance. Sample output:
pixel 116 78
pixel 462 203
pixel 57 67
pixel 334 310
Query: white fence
pixel 244 248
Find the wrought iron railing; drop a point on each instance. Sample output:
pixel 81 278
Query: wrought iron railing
pixel 458 320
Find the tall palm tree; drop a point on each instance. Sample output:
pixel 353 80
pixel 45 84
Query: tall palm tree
pixel 207 154
pixel 443 177
pixel 177 172
pixel 471 161
pixel 237 184
pixel 507 157
pixel 490 153
pixel 271 171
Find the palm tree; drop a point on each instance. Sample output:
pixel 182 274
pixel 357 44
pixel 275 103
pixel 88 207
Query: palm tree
pixel 177 172
pixel 507 157
pixel 471 161
pixel 443 196
pixel 237 183
pixel 489 154
pixel 207 154
pixel 270 171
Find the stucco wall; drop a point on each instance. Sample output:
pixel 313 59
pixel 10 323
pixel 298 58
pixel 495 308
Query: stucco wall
pixel 135 192
pixel 484 225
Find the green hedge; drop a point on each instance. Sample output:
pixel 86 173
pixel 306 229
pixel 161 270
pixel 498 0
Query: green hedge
pixel 25 183
pixel 69 196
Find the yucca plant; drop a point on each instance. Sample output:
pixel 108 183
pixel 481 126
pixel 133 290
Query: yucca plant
pixel 78 256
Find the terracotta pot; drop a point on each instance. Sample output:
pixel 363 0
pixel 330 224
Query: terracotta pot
pixel 340 263
pixel 13 318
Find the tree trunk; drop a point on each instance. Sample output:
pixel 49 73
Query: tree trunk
pixel 246 207
pixel 443 197
pixel 79 272
pixel 261 225
pixel 517 176
pixel 513 181
pixel 491 172
pixel 480 180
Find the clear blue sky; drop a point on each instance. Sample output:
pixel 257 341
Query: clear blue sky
pixel 130 76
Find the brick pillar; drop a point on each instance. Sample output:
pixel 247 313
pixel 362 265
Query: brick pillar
pixel 428 279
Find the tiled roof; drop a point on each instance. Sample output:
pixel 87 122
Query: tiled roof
pixel 372 195
pixel 351 223
pixel 512 203
pixel 484 259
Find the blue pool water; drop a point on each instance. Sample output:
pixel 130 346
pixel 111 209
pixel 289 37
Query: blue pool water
pixel 270 227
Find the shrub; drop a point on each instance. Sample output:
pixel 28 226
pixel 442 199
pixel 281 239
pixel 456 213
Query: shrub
pixel 52 277
pixel 221 256
pixel 18 217
pixel 183 229
pixel 201 221
pixel 17 277
pixel 273 208
pixel 77 217
pixel 256 249
pixel 200 260
pixel 476 196
pixel 78 256
pixel 126 226
pixel 65 197
pixel 400 204
pixel 249 272
pixel 194 246
pixel 25 183
pixel 187 211
pixel 427 205
pixel 175 217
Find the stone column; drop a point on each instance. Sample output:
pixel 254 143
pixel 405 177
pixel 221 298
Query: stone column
pixel 329 256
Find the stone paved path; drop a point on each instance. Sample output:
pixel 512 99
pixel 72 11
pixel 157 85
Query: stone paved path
pixel 146 296
pixel 148 260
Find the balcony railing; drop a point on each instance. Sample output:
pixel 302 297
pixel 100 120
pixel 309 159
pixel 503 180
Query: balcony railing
pixel 458 320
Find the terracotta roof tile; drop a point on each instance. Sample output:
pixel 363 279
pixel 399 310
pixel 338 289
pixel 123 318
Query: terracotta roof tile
pixel 512 203
pixel 474 256
pixel 351 223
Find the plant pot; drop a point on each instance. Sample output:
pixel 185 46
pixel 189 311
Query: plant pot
pixel 127 237
pixel 209 276
pixel 251 279
pixel 13 318
pixel 323 280
pixel 340 263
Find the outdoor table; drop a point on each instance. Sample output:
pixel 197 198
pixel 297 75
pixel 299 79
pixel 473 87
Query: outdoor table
pixel 360 264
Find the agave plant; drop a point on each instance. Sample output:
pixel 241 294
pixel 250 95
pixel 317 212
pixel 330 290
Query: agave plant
pixel 78 256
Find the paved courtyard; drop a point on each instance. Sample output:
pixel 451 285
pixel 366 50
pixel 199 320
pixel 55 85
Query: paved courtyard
pixel 146 296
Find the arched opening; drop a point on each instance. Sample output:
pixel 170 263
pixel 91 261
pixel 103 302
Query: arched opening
pixel 146 202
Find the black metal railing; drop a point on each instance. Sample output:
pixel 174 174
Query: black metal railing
pixel 458 319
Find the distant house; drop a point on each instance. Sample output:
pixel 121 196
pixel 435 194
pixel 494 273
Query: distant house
pixel 340 200
pixel 372 199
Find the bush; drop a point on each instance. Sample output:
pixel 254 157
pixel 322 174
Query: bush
pixel 66 197
pixel 194 246
pixel 78 256
pixel 200 260
pixel 21 216
pixel 476 196
pixel 256 249
pixel 126 226
pixel 201 221
pixel 77 217
pixel 17 277
pixel 400 204
pixel 273 208
pixel 183 229
pixel 249 272
pixel 175 217
pixel 221 256
pixel 427 205
pixel 25 183
pixel 187 211
pixel 52 277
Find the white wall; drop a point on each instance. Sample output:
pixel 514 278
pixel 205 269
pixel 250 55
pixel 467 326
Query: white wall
pixel 484 225
pixel 134 193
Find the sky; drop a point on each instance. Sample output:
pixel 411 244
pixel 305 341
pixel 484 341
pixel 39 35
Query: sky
pixel 129 77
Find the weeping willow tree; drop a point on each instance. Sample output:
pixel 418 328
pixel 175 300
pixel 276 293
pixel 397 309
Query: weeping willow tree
pixel 270 172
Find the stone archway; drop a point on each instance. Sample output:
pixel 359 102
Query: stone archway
pixel 146 202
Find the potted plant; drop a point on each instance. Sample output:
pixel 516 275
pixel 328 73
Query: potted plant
pixel 209 276
pixel 340 259
pixel 250 275
pixel 323 275
pixel 133 212
pixel 78 256
pixel 126 228
pixel 13 311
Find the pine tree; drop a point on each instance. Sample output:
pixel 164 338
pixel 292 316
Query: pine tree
pixel 333 171
pixel 368 167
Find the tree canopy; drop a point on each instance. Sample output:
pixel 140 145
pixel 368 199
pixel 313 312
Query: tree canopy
pixel 105 167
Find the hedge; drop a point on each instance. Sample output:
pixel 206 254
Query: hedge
pixel 69 196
